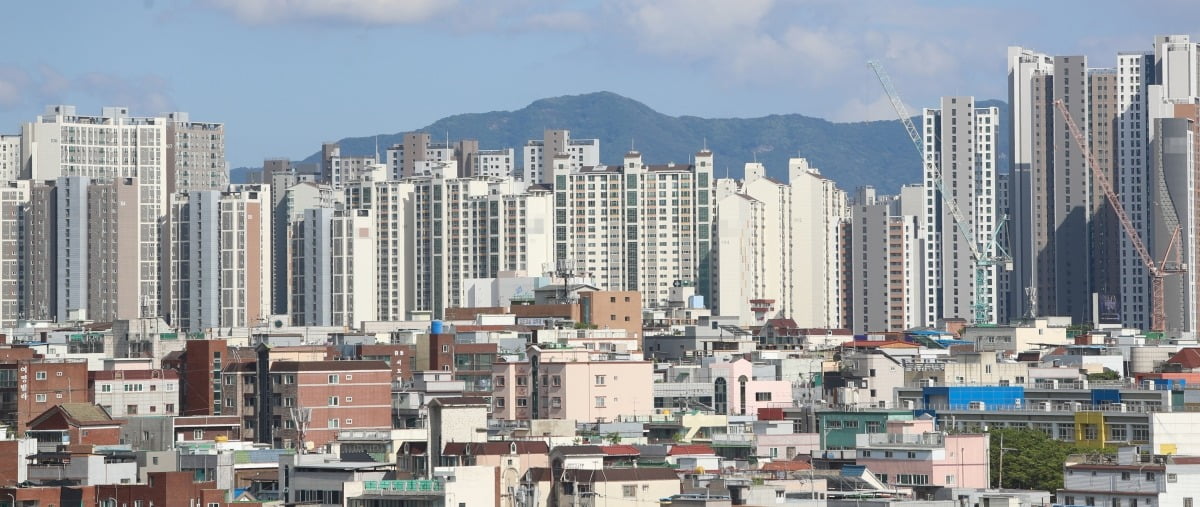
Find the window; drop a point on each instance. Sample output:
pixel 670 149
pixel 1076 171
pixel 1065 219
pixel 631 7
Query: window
pixel 599 380
pixel 866 454
pixel 1150 476
pixel 349 422
pixel 555 402
pixel 334 423
pixel 522 402
pixel 170 408
pixel 41 375
pixel 555 381
pixel 334 401
pixel 333 379
pixel 40 398
pixel 521 381
pixel 629 491
pixel 499 381
pixel 762 396
pixel 197 434
pixel 106 388
pixel 1124 476
pixel 599 402
pixel 349 399
pixel 499 402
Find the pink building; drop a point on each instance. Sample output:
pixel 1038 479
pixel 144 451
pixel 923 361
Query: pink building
pixel 571 383
pixel 737 392
pixel 912 454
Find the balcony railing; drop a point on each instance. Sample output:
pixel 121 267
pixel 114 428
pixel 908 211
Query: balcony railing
pixel 906 440
pixel 402 487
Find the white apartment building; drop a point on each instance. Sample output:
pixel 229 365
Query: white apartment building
pixel 637 227
pixel 416 154
pixel 14 200
pixel 476 227
pixel 493 163
pixel 353 267
pixel 394 209
pixel 221 257
pixel 10 157
pixel 540 154
pixel 959 137
pixel 801 242
pixel 740 256
pixel 131 393
pixel 290 203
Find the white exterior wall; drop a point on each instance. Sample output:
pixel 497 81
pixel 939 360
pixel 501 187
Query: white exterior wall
pixel 14 198
pixel 495 163
pixel 741 259
pixel 354 268
pixel 1133 71
pixel 150 396
pixel 10 157
pixel 394 210
pixel 539 160
pixel 957 139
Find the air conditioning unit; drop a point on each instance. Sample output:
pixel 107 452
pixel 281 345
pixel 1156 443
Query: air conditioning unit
pixel 909 404
pixel 977 405
pixel 1148 384
pixel 925 383
pixel 1045 406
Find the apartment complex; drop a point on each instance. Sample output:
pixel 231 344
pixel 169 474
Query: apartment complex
pixel 885 249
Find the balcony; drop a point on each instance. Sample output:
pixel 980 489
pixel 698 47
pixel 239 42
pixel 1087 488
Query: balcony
pixel 402 488
pixel 929 440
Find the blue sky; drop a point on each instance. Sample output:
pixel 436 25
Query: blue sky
pixel 286 75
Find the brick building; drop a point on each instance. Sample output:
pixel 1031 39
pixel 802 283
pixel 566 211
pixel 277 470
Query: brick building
pixel 75 424
pixel 29 387
pixel 311 401
pixel 200 379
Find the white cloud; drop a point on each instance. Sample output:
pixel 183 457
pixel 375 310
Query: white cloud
pixel 691 28
pixel 25 89
pixel 363 12
pixel 857 109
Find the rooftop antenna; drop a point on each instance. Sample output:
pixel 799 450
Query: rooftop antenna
pixel 376 148
pixel 631 146
pixel 705 144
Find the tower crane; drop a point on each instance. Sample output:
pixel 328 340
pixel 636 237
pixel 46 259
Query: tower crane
pixel 984 254
pixel 1158 270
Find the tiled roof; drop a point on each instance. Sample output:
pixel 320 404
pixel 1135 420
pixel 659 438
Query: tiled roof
pixel 84 413
pixel 621 450
pixel 1188 357
pixel 538 474
pixel 690 449
pixel 578 449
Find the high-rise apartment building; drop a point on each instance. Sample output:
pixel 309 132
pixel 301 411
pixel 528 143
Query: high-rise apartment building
pixel 195 155
pixel 475 227
pixel 885 258
pixel 804 282
pixel 1172 173
pixel 740 257
pixel 353 268
pixel 540 155
pixel 638 226
pixel 221 253
pixel 961 139
pixel 312 280
pixel 14 201
pixel 10 157
pixel 417 155
pixel 289 206
pixel 393 206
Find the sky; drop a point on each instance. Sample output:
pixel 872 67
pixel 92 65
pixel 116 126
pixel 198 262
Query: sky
pixel 287 75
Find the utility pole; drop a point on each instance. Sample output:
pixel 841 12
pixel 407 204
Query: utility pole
pixel 1003 449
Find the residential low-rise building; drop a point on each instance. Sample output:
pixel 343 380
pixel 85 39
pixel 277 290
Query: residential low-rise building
pixel 125 393
pixel 571 383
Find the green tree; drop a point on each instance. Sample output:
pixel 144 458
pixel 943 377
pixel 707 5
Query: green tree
pixel 613 438
pixel 1033 459
pixel 1107 374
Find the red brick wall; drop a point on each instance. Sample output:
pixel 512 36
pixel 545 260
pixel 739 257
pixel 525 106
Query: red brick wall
pixel 365 399
pixel 196 378
pixel 63 383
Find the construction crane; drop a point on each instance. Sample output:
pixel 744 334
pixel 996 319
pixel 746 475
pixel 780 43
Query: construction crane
pixel 1158 270
pixel 986 255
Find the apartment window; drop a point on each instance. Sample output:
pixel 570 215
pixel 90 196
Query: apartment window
pixel 170 408
pixel 629 491
pixel 334 401
pixel 40 398
pixel 106 388
pixel 521 381
pixel 41 375
pixel 599 380
pixel 555 402
pixel 349 422
pixel 333 379
pixel 522 402
pixel 499 382
pixel 334 423
pixel 555 381
pixel 197 434
pixel 599 402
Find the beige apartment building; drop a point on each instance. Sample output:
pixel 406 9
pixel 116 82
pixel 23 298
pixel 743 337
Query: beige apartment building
pixel 571 383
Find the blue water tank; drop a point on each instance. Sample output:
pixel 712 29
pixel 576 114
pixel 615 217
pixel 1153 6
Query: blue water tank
pixel 437 327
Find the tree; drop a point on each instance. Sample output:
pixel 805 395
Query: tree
pixel 1107 374
pixel 1033 461
pixel 613 438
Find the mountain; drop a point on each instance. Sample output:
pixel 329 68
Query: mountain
pixel 875 153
